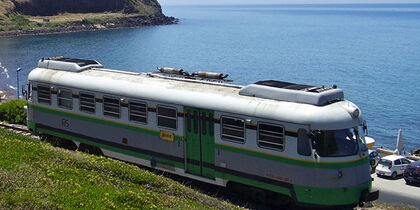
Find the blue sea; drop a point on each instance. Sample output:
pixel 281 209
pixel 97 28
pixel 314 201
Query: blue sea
pixel 372 51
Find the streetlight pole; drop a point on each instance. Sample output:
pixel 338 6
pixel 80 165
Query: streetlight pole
pixel 17 80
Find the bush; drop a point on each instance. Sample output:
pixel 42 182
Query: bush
pixel 13 112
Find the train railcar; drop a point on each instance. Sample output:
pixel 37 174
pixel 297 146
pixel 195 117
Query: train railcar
pixel 300 141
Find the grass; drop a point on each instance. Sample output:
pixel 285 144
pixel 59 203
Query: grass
pixel 34 174
pixel 24 22
pixel 73 17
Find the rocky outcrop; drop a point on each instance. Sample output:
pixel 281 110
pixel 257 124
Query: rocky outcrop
pixel 54 7
pixel 15 15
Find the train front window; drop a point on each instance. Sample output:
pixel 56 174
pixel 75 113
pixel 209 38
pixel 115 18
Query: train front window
pixel 336 143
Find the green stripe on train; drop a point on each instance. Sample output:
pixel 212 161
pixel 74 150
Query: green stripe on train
pixel 218 146
pixel 99 121
pixel 336 197
pixel 254 183
pixel 114 149
pixel 294 161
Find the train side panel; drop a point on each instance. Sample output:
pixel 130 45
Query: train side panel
pixel 305 179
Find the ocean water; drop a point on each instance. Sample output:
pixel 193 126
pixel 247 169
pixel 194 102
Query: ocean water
pixel 372 51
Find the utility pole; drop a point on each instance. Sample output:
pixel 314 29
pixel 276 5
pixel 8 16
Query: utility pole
pixel 17 80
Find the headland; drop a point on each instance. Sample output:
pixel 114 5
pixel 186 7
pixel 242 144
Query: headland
pixel 30 17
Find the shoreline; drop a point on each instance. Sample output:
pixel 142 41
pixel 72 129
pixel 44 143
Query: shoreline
pixel 6 95
pixel 80 26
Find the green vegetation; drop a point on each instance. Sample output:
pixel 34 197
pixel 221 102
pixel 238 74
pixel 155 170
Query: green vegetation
pixel 13 112
pixel 36 175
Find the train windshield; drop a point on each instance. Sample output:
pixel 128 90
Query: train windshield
pixel 336 143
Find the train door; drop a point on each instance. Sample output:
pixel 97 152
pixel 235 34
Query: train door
pixel 199 133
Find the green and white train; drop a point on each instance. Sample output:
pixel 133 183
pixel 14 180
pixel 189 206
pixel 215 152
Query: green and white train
pixel 302 142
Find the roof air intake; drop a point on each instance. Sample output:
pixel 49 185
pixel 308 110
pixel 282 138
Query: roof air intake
pixel 68 64
pixel 291 92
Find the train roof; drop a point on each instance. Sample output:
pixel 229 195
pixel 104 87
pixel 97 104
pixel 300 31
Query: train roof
pixel 258 100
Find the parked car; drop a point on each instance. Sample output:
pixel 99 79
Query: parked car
pixel 374 158
pixel 392 165
pixel 412 173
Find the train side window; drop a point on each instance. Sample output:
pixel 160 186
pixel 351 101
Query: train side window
pixel 65 98
pixel 137 111
pixel 304 145
pixel 44 94
pixel 271 136
pixel 233 129
pixel 167 117
pixel 111 106
pixel 87 102
pixel 30 90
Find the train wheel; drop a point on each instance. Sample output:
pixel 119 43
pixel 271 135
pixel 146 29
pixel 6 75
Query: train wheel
pixel 67 144
pixel 43 137
pixel 93 150
pixel 261 196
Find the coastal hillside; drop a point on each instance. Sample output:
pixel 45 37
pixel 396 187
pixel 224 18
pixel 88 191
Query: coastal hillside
pixel 36 175
pixel 55 7
pixel 19 17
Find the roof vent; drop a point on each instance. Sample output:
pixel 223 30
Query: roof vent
pixel 291 92
pixel 68 64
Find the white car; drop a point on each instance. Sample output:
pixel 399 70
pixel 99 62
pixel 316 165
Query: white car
pixel 392 165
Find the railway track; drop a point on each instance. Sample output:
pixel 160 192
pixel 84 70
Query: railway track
pixel 21 129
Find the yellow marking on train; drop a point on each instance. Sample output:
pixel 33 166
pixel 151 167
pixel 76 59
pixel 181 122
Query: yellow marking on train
pixel 168 136
pixel 286 157
pixel 123 102
pixel 291 131
pixel 75 94
pixel 99 98
pixel 101 119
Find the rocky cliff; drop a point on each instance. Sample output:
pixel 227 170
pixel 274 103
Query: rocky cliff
pixel 25 17
pixel 54 7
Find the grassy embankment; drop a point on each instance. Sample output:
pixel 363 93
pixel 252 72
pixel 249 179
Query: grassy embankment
pixel 26 22
pixel 34 174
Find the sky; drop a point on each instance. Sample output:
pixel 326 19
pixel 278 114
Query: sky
pixel 224 2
